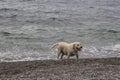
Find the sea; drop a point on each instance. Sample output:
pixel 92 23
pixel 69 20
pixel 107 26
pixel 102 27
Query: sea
pixel 29 27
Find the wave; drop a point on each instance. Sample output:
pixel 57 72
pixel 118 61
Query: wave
pixel 2 0
pixel 9 13
pixel 9 9
pixel 16 36
pixel 104 34
pixel 113 31
pixel 5 33
pixel 109 31
pixel 52 12
pixel 26 0
pixel 105 30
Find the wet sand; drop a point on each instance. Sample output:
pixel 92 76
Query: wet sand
pixel 83 69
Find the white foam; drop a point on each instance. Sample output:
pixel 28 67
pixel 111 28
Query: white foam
pixel 112 47
pixel 101 52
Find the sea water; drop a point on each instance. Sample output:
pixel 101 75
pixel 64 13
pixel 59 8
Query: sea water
pixel 29 27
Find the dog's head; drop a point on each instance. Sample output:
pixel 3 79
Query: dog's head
pixel 77 46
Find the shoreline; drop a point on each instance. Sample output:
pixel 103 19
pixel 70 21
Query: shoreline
pixel 88 69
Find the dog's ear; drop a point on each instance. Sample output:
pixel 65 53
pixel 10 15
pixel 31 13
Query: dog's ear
pixel 74 46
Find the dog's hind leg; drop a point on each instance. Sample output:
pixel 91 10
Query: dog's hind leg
pixel 62 55
pixel 59 52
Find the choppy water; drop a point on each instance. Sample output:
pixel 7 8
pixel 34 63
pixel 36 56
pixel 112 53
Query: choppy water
pixel 29 27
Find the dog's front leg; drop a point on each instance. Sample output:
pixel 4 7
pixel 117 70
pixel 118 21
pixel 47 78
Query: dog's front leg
pixel 77 56
pixel 68 56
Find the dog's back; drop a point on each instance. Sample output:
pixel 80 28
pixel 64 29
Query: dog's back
pixel 59 44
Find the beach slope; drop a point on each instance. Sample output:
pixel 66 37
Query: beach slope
pixel 82 69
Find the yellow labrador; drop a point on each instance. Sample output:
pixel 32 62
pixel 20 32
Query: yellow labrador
pixel 69 49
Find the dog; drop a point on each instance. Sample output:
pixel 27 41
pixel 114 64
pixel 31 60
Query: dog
pixel 69 49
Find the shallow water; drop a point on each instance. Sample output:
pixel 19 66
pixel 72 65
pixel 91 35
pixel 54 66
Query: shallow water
pixel 29 27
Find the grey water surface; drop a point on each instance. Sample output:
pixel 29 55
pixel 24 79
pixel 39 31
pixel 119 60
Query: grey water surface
pixel 29 27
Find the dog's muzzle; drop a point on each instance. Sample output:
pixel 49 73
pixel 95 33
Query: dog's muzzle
pixel 80 48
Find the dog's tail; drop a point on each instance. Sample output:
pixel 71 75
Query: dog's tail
pixel 54 45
